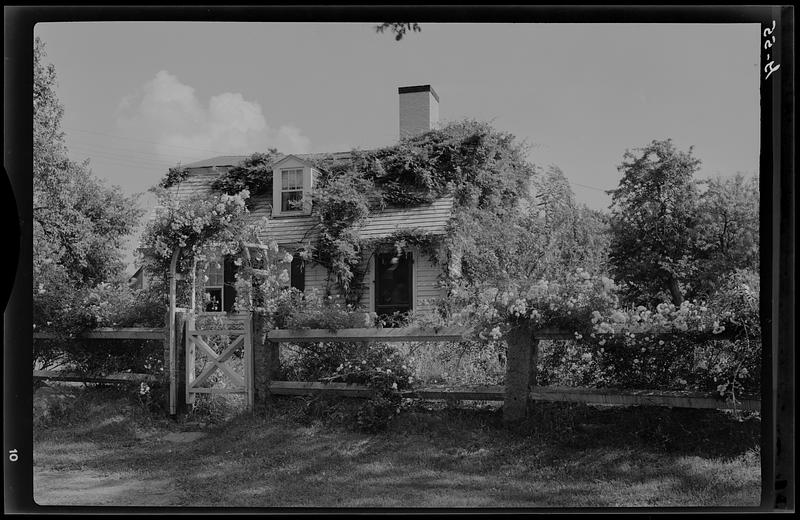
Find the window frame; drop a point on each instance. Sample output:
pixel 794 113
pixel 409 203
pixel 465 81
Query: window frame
pixel 227 273
pixel 300 172
pixel 219 260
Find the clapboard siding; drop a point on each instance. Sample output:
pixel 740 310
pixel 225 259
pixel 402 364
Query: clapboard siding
pixel 292 232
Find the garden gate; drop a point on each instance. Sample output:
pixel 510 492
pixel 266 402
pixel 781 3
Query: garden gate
pixel 230 341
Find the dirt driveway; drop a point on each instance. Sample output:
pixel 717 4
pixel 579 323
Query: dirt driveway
pixel 92 488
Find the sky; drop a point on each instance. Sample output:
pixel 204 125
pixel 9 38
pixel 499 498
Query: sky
pixel 140 97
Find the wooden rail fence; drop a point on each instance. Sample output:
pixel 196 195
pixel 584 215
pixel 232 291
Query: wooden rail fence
pixel 262 361
pixel 520 388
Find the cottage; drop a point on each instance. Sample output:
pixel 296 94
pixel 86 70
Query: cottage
pixel 391 282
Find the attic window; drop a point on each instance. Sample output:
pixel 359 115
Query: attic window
pixel 291 189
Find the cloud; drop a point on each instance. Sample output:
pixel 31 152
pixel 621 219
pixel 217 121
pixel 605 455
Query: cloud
pixel 169 113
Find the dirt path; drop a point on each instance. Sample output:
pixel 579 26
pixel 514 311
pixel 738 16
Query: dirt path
pixel 92 488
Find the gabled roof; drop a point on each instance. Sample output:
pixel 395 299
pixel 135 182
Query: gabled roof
pixel 220 160
pixel 291 156
pixel 233 160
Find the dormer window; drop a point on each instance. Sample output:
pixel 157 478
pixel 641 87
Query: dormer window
pixel 292 184
pixel 291 189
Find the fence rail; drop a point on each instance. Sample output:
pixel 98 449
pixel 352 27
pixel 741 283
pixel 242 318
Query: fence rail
pixel 370 334
pixel 121 333
pixel 674 399
pixel 87 378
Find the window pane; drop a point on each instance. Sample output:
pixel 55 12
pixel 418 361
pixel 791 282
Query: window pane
pixel 215 273
pixel 213 299
pixel 290 200
pixel 292 179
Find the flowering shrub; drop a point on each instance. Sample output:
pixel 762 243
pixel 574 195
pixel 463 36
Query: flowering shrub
pixel 565 304
pixel 191 224
pixel 710 346
pixel 106 305
pixel 153 398
pixel 311 310
pixel 376 365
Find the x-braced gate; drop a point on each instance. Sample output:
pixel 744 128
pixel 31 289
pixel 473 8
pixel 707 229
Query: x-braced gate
pixel 240 374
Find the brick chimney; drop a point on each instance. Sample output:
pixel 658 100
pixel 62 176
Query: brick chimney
pixel 419 110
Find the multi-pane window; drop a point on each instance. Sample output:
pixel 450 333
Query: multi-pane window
pixel 214 286
pixel 220 287
pixel 291 189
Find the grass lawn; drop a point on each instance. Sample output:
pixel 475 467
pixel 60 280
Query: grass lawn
pixel 98 447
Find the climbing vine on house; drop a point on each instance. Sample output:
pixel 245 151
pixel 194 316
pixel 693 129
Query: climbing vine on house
pixel 174 176
pixel 482 168
pixel 254 174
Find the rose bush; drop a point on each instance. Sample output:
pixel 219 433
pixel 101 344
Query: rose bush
pixel 708 346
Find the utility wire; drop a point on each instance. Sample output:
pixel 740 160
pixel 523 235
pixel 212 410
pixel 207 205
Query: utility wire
pixel 143 140
pixel 589 187
pixel 116 162
pixel 140 161
pixel 124 151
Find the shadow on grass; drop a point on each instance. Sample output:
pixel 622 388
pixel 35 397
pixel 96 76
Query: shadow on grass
pixel 565 456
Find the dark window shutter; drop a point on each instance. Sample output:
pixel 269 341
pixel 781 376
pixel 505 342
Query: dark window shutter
pixel 298 274
pixel 229 295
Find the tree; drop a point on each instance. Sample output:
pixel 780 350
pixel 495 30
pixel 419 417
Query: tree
pixel 726 237
pixel 571 234
pixel 654 213
pixel 79 223
pixel 399 29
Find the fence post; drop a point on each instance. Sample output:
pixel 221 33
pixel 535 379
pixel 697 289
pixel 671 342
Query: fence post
pixel 189 359
pixel 266 361
pixel 520 372
pixel 248 364
pixel 181 319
